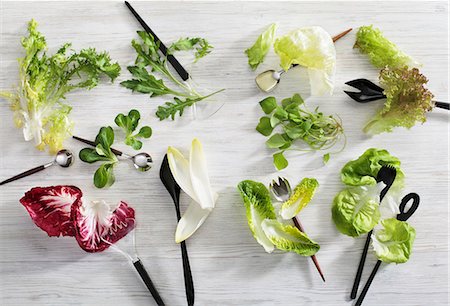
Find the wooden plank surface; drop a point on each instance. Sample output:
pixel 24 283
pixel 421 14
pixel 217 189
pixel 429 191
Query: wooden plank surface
pixel 229 267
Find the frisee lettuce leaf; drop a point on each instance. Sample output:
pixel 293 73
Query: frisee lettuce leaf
pixel 407 100
pixel 45 80
pixel 394 242
pixel 258 51
pixel 311 47
pixel 380 50
pixel 355 210
pixel 300 197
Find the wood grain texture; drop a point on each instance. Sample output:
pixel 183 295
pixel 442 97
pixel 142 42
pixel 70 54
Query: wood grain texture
pixel 229 267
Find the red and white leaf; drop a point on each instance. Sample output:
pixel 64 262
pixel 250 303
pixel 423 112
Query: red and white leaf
pixel 97 226
pixel 50 208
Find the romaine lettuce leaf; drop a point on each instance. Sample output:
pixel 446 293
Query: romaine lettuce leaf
pixel 380 50
pixel 288 238
pixel 258 51
pixel 301 196
pixel 394 242
pixel 258 208
pixel 364 170
pixel 355 210
pixel 311 47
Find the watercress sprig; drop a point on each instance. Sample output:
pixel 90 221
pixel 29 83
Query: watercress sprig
pixel 317 131
pixel 104 176
pixel 129 123
pixel 150 63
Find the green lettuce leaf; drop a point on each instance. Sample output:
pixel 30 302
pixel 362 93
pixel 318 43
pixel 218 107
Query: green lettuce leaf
pixel 258 207
pixel 355 210
pixel 380 50
pixel 38 102
pixel 364 170
pixel 288 238
pixel 258 51
pixel 394 242
pixel 311 47
pixel 407 100
pixel 301 196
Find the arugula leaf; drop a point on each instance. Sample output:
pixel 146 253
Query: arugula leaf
pixel 129 123
pixel 150 65
pixel 45 80
pixel 317 131
pixel 258 51
pixel 104 175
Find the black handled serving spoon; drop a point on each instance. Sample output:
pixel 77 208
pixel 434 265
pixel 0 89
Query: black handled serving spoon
pixel 402 216
pixel 370 91
pixel 63 158
pixel 174 190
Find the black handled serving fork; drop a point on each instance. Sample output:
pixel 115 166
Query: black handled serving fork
pixel 369 91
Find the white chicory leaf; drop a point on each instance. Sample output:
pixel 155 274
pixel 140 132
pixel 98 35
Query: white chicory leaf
pixel 311 47
pixel 192 177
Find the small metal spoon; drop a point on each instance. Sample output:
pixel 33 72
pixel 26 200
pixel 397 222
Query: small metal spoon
pixel 141 161
pixel 63 158
pixel 269 79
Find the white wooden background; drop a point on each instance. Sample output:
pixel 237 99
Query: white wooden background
pixel 229 267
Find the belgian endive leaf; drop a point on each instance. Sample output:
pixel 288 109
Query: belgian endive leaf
pixel 199 176
pixel 192 219
pixel 179 166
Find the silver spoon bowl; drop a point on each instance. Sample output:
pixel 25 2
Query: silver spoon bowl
pixel 141 161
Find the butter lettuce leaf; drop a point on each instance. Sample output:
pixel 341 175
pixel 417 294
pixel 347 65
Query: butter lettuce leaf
pixel 258 207
pixel 380 50
pixel 258 51
pixel 311 47
pixel 364 170
pixel 355 210
pixel 288 238
pixel 393 243
pixel 301 196
pixel 407 100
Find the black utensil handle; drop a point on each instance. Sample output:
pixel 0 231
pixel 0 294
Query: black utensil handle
pixel 23 174
pixel 404 215
pixel 188 282
pixel 92 143
pixel 172 60
pixel 148 282
pixel 360 267
pixel 368 283
pixel 442 105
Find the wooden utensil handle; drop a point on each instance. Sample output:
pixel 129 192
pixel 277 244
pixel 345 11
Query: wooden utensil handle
pixel 92 143
pixel 24 174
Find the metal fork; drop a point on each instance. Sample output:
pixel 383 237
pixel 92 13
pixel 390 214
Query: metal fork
pixel 282 191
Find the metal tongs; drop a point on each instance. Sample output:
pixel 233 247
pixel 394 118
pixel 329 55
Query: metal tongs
pixel 370 91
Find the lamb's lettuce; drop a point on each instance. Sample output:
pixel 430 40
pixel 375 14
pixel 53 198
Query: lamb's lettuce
pixel 45 80
pixel 311 47
pixel 258 51
pixel 355 209
pixel 288 238
pixel 301 196
pixel 364 170
pixel 394 242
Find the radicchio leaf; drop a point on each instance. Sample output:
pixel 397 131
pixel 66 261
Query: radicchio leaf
pixel 97 226
pixel 50 208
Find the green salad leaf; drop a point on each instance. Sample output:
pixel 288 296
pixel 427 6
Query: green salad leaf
pixel 296 122
pixel 129 123
pixel 311 47
pixel 380 50
pixel 394 242
pixel 300 197
pixel 355 210
pixel 288 238
pixel 364 170
pixel 265 227
pixel 258 207
pixel 151 65
pixel 407 100
pixel 45 80
pixel 104 176
pixel 258 51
